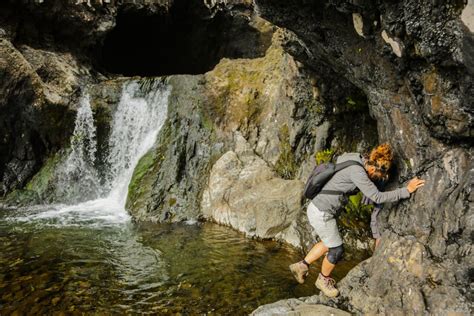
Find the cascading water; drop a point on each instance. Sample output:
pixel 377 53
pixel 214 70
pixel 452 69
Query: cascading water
pixel 77 176
pixel 136 122
pixel 135 126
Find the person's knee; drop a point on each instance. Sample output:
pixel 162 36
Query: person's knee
pixel 335 254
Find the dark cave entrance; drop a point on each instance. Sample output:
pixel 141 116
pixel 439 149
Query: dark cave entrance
pixel 186 40
pixel 352 129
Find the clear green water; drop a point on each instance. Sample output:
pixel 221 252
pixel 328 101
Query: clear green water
pixel 142 269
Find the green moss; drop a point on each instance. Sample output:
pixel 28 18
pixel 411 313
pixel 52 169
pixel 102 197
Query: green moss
pixel 356 103
pixel 408 165
pixel 21 197
pixel 315 106
pixel 143 166
pixel 238 89
pixel 40 181
pixel 144 174
pixel 172 202
pixel 40 188
pixel 323 156
pixel 286 165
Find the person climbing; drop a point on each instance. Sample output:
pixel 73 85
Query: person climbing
pixel 324 208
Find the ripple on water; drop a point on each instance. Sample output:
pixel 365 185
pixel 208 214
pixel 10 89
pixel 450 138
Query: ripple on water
pixel 150 268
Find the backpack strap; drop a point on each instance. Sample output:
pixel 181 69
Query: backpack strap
pixel 339 167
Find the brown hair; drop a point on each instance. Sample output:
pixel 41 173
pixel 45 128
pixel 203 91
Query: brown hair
pixel 381 158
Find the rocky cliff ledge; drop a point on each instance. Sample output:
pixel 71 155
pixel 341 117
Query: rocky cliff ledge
pixel 254 104
pixel 413 60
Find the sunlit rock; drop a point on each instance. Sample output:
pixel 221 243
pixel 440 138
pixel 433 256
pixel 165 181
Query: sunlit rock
pixel 358 23
pixel 396 46
pixel 467 15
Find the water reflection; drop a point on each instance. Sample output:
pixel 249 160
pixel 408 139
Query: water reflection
pixel 166 269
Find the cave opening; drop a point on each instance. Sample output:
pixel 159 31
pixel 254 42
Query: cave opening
pixel 352 129
pixel 188 39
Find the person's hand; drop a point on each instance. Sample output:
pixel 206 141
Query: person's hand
pixel 414 184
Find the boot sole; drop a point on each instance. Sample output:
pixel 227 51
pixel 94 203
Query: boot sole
pixel 321 290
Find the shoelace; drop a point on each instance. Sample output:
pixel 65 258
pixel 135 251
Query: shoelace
pixel 330 282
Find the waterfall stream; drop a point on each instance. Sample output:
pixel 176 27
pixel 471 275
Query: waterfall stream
pixel 87 198
pixel 77 175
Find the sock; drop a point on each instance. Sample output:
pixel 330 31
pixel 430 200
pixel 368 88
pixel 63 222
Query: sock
pixel 304 261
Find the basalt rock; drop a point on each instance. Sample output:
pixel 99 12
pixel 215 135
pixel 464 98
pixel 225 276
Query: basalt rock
pixel 413 61
pixel 38 94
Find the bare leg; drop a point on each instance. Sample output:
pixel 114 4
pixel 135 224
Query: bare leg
pixel 316 252
pixel 377 242
pixel 327 267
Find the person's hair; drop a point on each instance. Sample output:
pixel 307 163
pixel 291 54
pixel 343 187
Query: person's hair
pixel 381 157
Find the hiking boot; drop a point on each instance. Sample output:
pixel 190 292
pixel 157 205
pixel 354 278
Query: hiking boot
pixel 300 271
pixel 326 285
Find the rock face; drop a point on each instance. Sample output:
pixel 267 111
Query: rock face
pixel 418 81
pixel 296 307
pixel 37 88
pixel 243 131
pixel 238 141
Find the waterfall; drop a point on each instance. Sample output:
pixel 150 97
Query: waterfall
pixel 88 198
pixel 77 176
pixel 135 126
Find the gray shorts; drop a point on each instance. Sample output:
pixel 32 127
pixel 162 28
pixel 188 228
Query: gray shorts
pixel 325 226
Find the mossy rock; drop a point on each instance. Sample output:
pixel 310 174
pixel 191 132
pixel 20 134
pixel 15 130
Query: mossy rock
pixel 21 197
pixel 237 88
pixel 40 189
pixel 286 166
pixel 144 175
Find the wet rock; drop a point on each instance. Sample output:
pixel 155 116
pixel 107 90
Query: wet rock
pixel 168 181
pixel 36 117
pixel 296 307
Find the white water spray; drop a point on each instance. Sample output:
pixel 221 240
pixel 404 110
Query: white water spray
pixel 77 176
pixel 135 126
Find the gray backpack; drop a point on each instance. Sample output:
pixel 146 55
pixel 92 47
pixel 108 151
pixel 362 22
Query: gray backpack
pixel 321 175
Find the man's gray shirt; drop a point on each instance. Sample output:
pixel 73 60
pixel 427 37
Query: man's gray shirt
pixel 348 180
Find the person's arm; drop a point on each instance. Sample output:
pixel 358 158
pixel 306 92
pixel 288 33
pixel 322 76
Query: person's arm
pixel 360 178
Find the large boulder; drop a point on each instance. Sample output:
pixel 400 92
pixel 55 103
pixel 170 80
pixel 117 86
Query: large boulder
pixel 244 193
pixel 295 307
